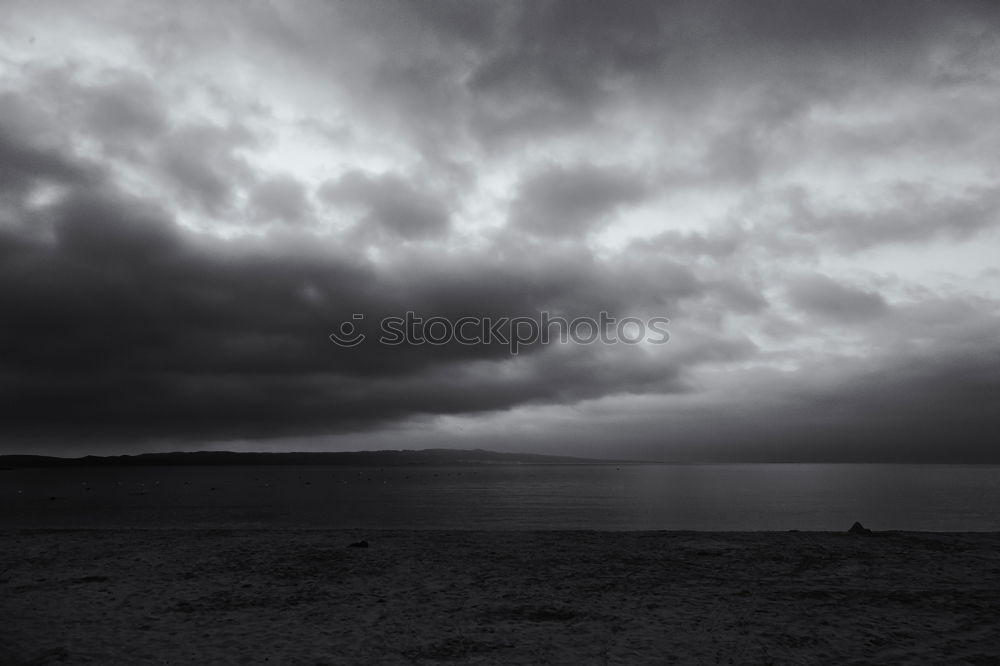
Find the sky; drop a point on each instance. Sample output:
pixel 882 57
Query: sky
pixel 194 196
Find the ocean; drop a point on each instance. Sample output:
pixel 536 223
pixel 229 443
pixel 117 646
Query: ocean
pixel 509 497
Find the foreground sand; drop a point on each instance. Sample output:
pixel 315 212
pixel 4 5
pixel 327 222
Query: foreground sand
pixel 241 596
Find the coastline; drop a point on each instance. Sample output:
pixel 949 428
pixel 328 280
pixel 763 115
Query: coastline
pixel 167 595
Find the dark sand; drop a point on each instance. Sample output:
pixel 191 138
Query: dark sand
pixel 240 596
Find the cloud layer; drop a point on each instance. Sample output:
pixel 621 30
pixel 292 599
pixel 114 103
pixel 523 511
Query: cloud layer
pixel 193 198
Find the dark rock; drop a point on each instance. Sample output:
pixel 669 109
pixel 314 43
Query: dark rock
pixel 359 544
pixel 858 528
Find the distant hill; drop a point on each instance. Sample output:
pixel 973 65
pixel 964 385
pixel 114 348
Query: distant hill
pixel 359 458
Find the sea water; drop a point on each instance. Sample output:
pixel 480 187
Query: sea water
pixel 509 497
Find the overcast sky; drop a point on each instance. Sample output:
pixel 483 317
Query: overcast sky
pixel 193 195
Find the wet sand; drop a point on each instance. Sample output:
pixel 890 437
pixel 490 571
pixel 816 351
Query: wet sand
pixel 424 597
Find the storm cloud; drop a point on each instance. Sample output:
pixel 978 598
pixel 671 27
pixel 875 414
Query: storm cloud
pixel 193 199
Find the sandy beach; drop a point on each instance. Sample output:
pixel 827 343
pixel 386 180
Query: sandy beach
pixel 423 597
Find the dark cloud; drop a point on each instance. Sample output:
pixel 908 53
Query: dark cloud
pixel 560 201
pixel 555 63
pixel 24 166
pixel 914 214
pixel 128 108
pixel 567 50
pixel 123 325
pixel 204 163
pixel 280 198
pixel 824 297
pixel 739 296
pixel 719 244
pixel 118 112
pixel 390 203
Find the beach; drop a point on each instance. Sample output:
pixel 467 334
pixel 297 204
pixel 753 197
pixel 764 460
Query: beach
pixel 304 596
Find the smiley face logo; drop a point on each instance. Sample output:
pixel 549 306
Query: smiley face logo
pixel 348 335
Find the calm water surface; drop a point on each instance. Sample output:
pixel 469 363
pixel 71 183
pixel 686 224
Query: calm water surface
pixel 600 497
